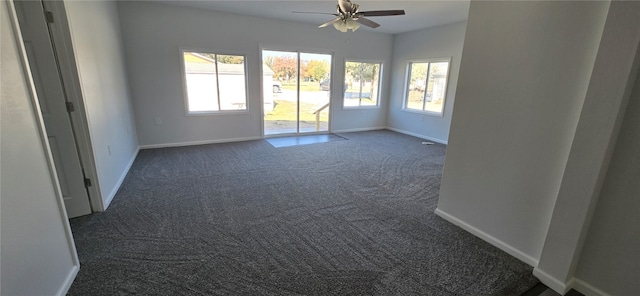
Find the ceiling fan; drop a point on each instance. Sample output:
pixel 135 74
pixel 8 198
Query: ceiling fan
pixel 349 17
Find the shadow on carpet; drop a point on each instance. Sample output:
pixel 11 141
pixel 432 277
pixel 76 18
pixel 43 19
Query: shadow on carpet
pixel 339 218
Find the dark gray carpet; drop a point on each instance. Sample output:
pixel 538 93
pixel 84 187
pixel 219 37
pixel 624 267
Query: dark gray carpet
pixel 339 218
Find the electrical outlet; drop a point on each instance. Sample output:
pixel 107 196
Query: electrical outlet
pixel 158 121
pixel 109 149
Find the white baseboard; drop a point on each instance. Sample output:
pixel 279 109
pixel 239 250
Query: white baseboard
pixel 180 144
pixel 488 238
pixel 68 280
pixel 418 135
pixel 115 189
pixel 588 289
pixel 353 130
pixel 552 282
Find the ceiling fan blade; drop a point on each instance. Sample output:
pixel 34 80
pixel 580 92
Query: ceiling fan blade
pixel 368 22
pixel 315 12
pixel 381 12
pixel 329 23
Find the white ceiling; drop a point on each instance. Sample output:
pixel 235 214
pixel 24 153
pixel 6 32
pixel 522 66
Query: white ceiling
pixel 419 13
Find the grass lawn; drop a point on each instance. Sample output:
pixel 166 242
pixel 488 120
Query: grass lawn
pixel 304 86
pixel 286 110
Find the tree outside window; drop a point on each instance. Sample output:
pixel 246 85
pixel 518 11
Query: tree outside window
pixel 362 84
pixel 426 86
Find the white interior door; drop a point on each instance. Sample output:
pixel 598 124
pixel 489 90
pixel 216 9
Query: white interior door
pixel 53 104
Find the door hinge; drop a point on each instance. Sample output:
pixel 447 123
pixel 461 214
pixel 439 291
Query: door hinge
pixel 87 182
pixel 48 16
pixel 70 107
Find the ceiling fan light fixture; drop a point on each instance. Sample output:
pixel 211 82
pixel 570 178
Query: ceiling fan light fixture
pixel 340 26
pixel 345 25
pixel 352 24
pixel 349 16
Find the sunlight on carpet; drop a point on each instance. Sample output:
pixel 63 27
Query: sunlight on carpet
pixel 303 140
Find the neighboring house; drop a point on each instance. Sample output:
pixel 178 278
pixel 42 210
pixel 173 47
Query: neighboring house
pixel 201 83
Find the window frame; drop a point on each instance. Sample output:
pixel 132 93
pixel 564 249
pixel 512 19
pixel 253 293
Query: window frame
pixel 182 51
pixel 407 84
pixel 380 84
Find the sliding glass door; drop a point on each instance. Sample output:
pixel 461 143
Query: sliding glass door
pixel 296 92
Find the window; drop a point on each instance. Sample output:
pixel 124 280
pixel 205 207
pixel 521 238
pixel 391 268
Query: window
pixel 361 84
pixel 214 82
pixel 426 86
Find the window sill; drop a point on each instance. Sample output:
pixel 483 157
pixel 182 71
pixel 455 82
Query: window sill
pixel 422 112
pixel 355 108
pixel 214 113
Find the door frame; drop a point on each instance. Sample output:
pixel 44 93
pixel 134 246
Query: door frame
pixel 63 50
pixel 297 50
pixel 42 133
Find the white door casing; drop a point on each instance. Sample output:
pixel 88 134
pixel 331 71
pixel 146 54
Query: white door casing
pixel 53 103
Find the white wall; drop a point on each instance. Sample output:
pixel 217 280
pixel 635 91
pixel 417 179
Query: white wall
pixel 610 260
pixel 438 42
pixel 523 78
pixel 601 116
pixel 37 255
pixel 97 43
pixel 153 34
